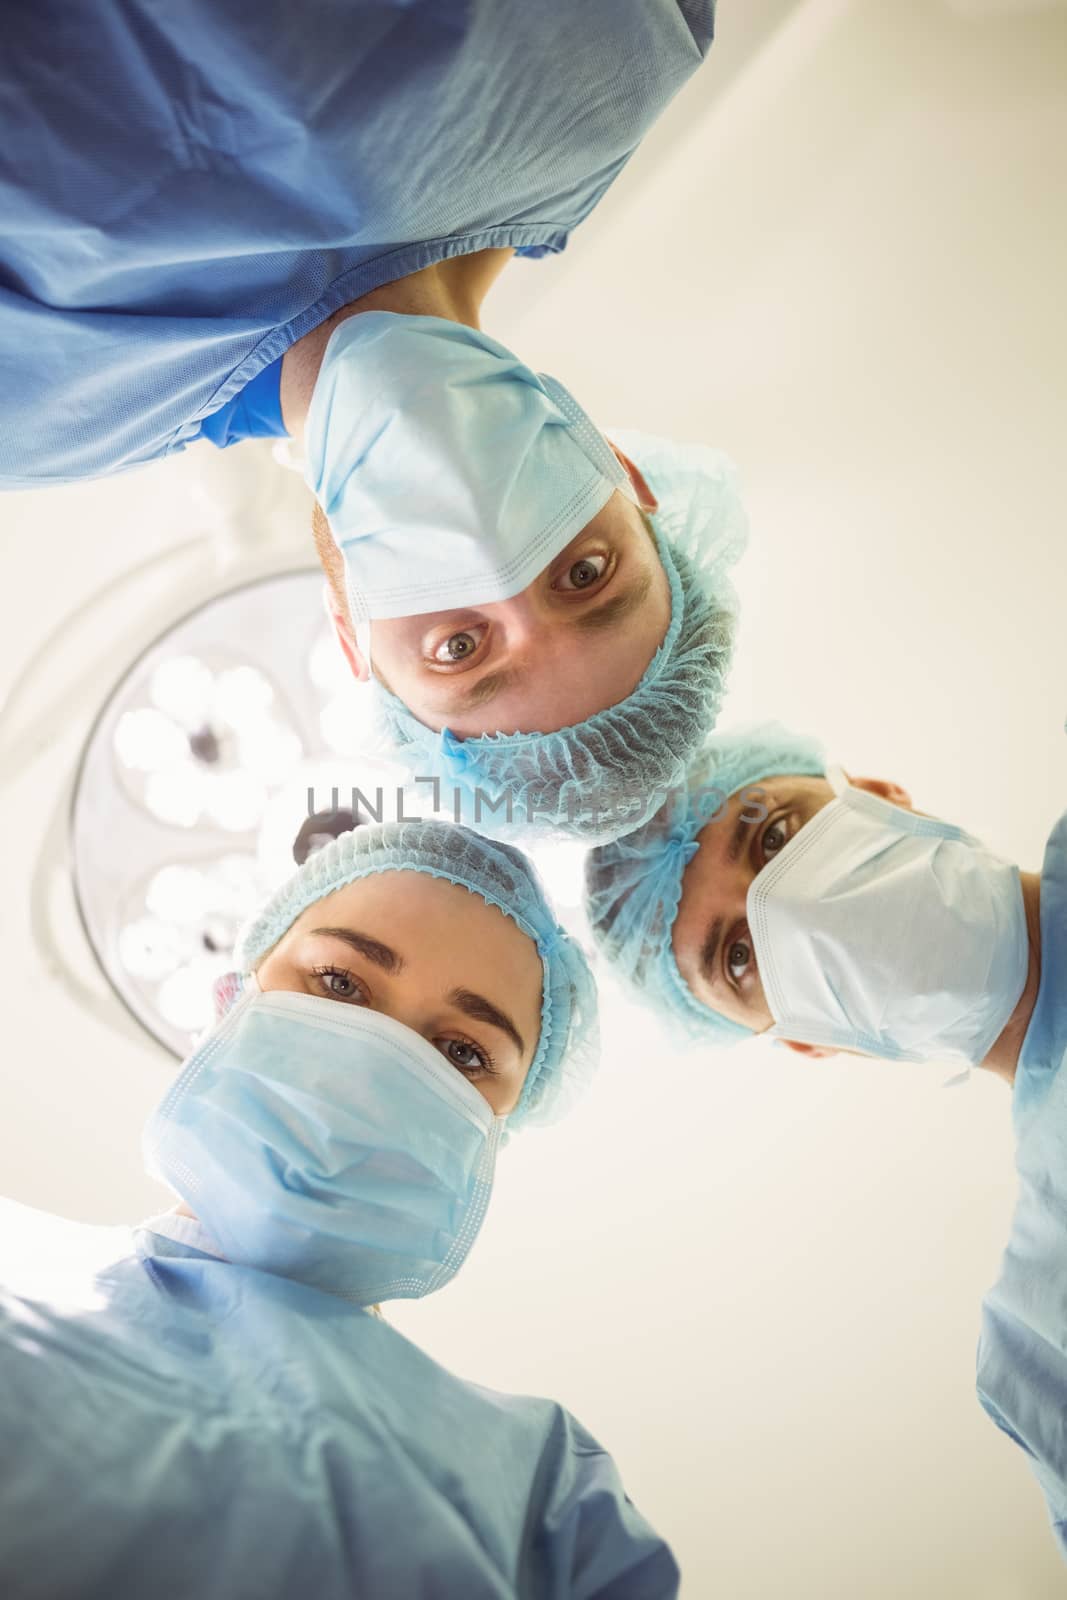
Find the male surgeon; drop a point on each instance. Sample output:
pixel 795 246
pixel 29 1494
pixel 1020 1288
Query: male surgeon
pixel 225 220
pixel 776 895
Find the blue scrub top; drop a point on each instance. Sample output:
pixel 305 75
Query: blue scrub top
pixel 174 1426
pixel 186 189
pixel 1022 1353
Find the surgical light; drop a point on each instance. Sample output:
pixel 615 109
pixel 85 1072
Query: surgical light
pixel 191 796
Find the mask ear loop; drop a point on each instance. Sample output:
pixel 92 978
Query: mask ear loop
pixel 361 629
pixel 588 437
pixel 362 633
pixel 837 778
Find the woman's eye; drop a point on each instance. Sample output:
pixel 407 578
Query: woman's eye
pixel 774 838
pixel 467 1057
pixel 584 573
pixel 340 985
pixel 458 646
pixel 737 959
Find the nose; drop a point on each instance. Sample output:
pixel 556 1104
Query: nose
pixel 408 1008
pixel 525 622
pixel 522 612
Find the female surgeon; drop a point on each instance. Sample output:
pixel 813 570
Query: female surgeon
pixel 204 1405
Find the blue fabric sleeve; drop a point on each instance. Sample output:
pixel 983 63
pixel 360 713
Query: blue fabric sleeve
pixel 590 1539
pixel 255 412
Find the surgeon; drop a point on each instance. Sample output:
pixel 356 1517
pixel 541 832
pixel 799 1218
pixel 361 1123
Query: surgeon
pixel 777 895
pixel 207 1404
pixel 219 221
pixel 493 707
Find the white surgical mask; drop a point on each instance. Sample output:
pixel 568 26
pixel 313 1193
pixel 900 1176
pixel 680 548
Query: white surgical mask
pixel 449 472
pixel 889 933
pixel 329 1144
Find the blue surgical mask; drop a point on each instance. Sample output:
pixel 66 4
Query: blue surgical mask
pixel 449 472
pixel 329 1144
pixel 893 934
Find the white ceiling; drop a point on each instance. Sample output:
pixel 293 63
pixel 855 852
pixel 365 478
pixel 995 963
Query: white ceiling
pixel 841 257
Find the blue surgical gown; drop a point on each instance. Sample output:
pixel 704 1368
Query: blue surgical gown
pixel 1022 1352
pixel 187 188
pixel 174 1426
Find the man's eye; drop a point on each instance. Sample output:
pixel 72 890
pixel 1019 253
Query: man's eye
pixel 458 647
pixel 737 959
pixel 461 645
pixel 584 573
pixel 466 1056
pixel 774 838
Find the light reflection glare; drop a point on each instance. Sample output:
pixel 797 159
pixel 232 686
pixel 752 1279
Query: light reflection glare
pixel 210 748
pixel 175 795
pixel 178 894
pixel 192 913
pixel 235 802
pixel 182 688
pixel 185 999
pixel 240 694
pixel 268 750
pixel 146 741
pixel 235 884
pixel 150 949
pixel 347 725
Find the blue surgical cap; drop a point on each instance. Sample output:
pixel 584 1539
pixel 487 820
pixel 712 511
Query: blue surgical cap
pixel 633 886
pixel 567 1045
pixel 603 777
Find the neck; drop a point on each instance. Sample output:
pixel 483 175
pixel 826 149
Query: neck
pixel 1003 1059
pixel 452 289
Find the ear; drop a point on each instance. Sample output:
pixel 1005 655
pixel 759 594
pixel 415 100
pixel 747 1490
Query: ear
pixel 814 1052
pixel 225 991
pixel 342 628
pixel 884 789
pixel 645 498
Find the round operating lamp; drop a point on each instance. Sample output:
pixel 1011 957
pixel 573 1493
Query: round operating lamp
pixel 225 755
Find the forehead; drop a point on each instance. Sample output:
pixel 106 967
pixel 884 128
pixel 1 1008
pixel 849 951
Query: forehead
pixel 430 922
pixel 618 515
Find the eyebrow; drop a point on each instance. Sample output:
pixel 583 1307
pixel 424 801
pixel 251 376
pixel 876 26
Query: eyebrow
pixel 479 1009
pixel 710 948
pixel 742 835
pixel 617 609
pixel 485 690
pixel 373 949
